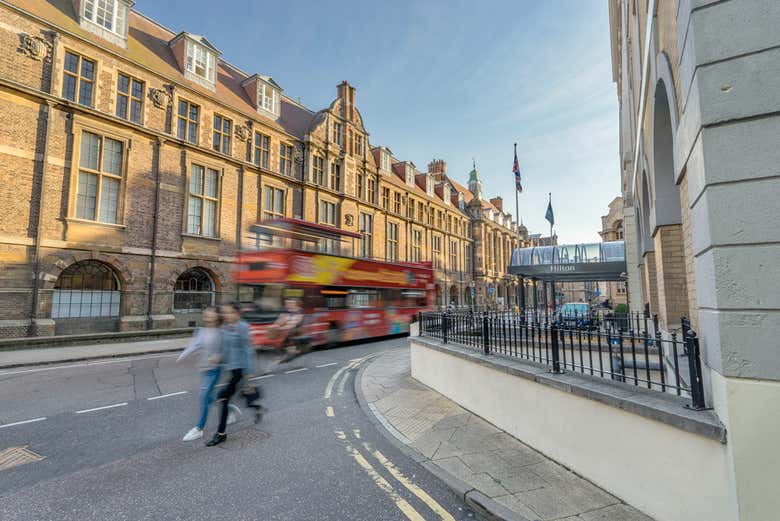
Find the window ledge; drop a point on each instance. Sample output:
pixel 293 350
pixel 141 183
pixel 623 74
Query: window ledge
pixel 206 237
pixel 95 223
pixel 665 408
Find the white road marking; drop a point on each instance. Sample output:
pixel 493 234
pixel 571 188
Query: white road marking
pixel 220 385
pixel 22 422
pixel 102 408
pixel 260 377
pixel 166 395
pixel 291 371
pixel 326 365
pixel 329 412
pixel 85 364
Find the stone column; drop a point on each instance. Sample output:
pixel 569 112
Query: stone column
pixel 727 150
pixel 670 275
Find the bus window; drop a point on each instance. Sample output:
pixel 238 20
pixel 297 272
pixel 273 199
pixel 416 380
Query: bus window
pixel 413 298
pixel 362 298
pixel 260 303
pixel 335 298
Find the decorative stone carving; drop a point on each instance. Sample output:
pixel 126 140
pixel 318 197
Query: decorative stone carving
pixel 161 98
pixel 35 47
pixel 298 156
pixel 242 132
pixel 349 219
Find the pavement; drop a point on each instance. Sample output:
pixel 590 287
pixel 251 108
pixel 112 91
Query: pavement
pixel 49 355
pixel 101 440
pixel 494 472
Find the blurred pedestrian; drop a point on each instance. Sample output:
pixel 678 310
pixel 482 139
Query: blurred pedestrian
pixel 207 340
pixel 238 357
pixel 288 327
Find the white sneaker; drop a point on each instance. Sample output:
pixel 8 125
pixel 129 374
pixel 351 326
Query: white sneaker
pixel 234 413
pixel 193 434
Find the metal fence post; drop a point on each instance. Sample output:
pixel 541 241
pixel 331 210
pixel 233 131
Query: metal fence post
pixel 420 322
pixel 445 325
pixel 556 363
pixel 485 334
pixel 694 367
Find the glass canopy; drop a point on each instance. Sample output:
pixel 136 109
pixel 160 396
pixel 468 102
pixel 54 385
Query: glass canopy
pixel 589 261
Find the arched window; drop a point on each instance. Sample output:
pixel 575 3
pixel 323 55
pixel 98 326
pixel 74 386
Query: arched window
pixel 86 289
pixel 194 290
pixel 619 230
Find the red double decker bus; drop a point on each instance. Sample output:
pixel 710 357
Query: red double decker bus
pixel 343 297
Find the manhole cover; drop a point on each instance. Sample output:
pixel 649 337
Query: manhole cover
pixel 15 456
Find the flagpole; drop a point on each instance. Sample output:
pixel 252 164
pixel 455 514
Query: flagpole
pixel 517 197
pixel 549 203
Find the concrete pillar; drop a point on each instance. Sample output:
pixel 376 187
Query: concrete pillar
pixel 727 156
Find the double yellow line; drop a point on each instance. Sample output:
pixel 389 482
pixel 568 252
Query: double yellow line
pixel 408 510
pixel 363 461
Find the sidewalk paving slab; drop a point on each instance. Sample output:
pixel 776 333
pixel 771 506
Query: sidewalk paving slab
pixel 497 474
pixel 50 355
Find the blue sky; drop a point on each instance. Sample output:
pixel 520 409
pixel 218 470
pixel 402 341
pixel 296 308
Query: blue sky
pixel 451 79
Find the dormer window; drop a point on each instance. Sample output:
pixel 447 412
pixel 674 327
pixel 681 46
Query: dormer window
pixel 106 18
pixel 385 161
pixel 268 98
pixel 200 62
pixel 447 194
pixel 197 58
pixel 409 175
pixel 264 93
pixel 429 185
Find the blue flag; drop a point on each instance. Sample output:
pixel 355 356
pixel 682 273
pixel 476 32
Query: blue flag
pixel 549 215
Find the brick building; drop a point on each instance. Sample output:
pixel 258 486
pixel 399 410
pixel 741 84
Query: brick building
pixel 135 158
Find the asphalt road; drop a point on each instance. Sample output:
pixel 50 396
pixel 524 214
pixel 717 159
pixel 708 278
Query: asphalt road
pixel 315 456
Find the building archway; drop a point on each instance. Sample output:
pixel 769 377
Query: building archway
pixel 454 295
pixel 86 298
pixel 193 291
pixel 666 221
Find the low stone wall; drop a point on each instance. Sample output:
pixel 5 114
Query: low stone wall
pixel 642 446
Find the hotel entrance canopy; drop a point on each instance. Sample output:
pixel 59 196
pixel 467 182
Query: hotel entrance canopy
pixel 571 262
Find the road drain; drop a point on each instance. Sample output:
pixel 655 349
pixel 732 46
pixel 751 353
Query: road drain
pixel 15 456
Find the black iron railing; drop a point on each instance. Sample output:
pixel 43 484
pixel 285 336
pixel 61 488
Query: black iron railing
pixel 644 357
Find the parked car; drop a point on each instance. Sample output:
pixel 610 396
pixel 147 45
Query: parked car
pixel 575 315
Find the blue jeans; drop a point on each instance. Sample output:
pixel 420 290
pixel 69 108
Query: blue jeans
pixel 209 379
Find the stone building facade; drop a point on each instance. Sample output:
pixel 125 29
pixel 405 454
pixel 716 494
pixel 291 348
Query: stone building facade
pixel 135 159
pixel 612 230
pixel 699 104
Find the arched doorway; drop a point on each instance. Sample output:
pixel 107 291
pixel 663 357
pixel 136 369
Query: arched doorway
pixel 86 298
pixel 454 295
pixel 193 291
pixel 667 232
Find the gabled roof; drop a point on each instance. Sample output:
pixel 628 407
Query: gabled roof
pixel 198 38
pixel 147 46
pixel 263 77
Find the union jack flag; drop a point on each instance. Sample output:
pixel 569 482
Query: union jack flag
pixel 516 171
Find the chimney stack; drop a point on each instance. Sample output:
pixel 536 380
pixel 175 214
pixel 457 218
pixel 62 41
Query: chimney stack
pixel 498 202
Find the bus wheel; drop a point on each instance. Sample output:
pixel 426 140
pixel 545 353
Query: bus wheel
pixel 333 336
